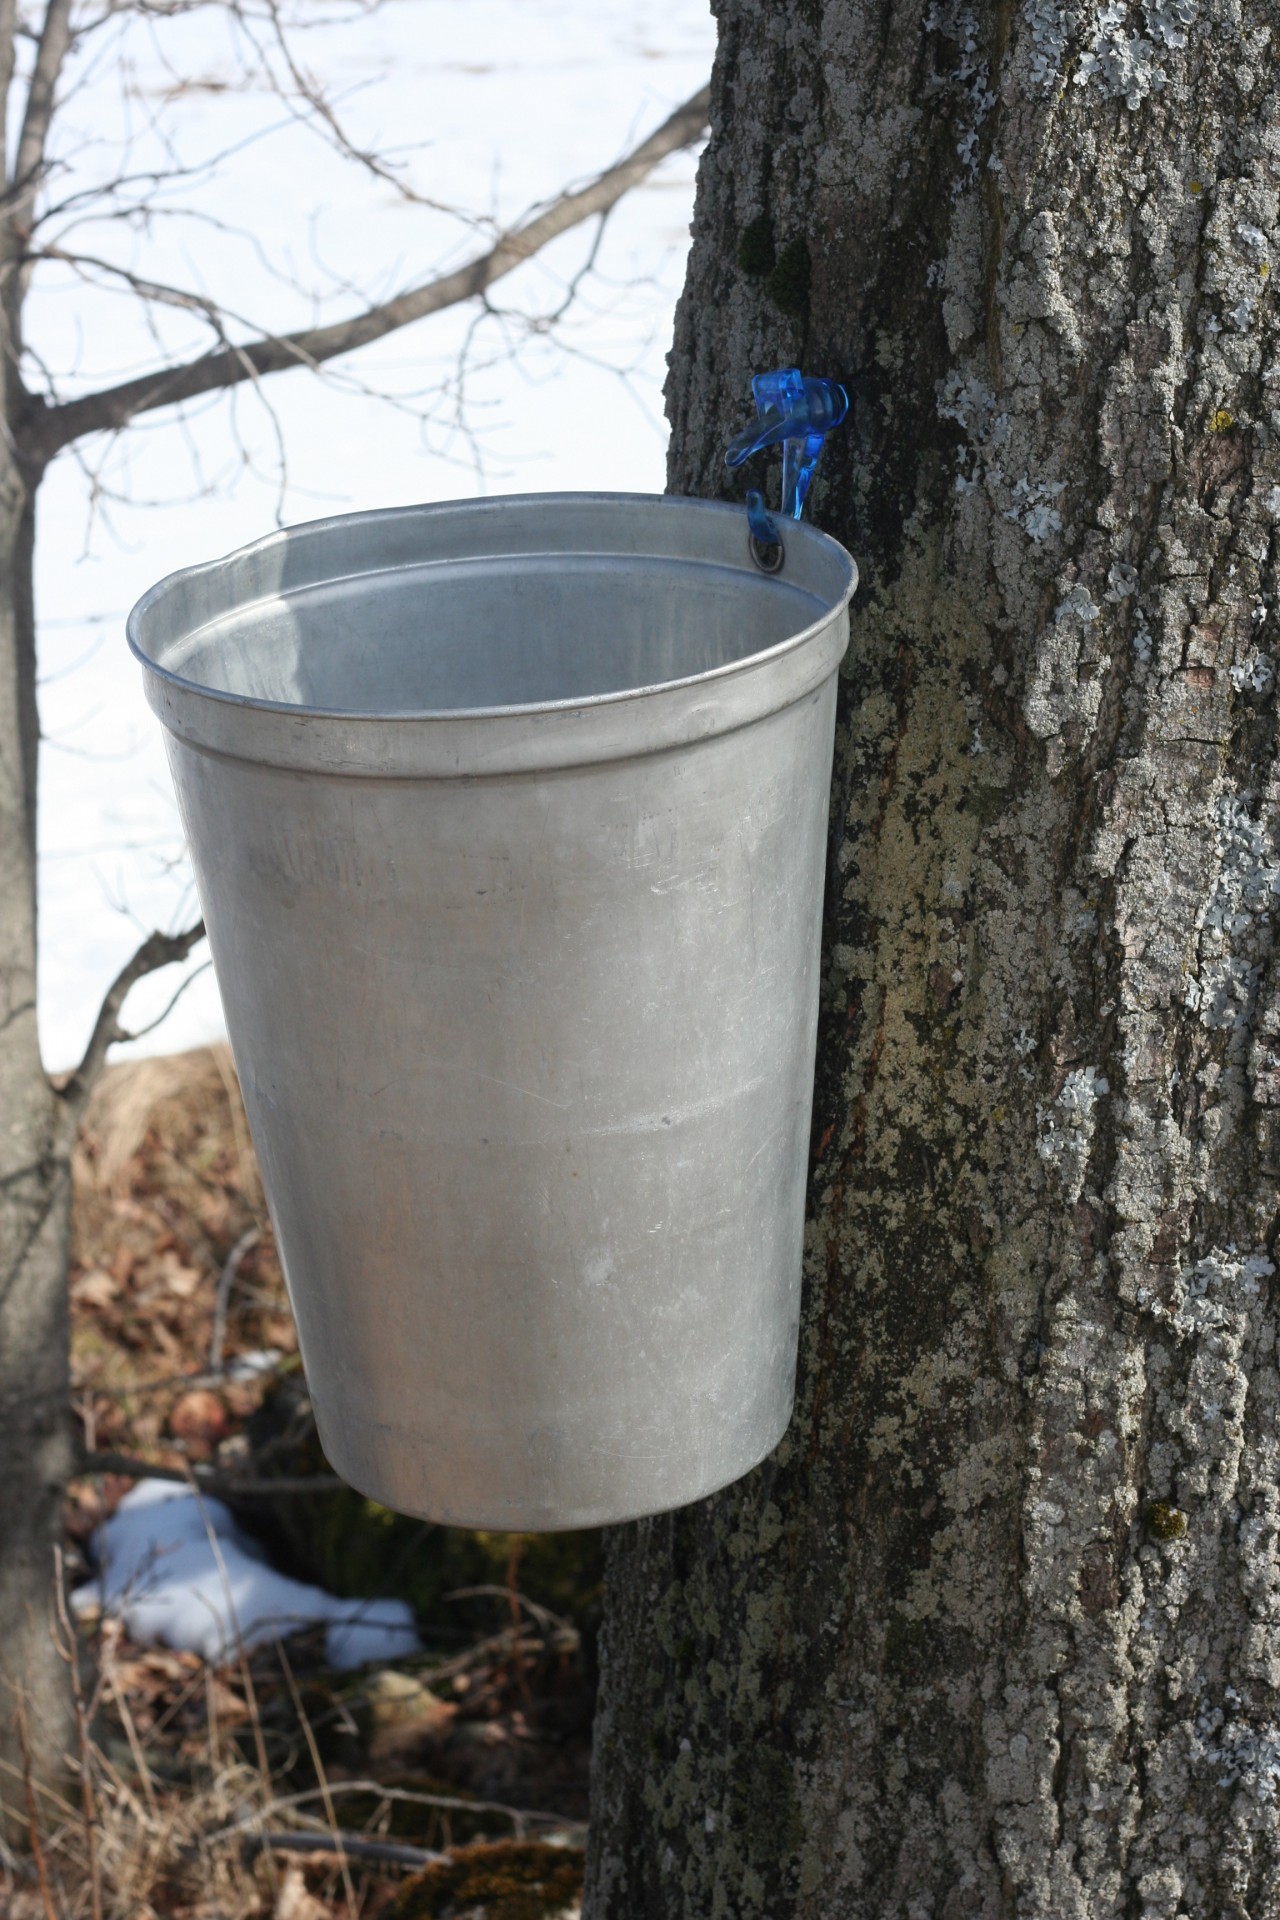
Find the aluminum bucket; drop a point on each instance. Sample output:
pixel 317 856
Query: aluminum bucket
pixel 508 819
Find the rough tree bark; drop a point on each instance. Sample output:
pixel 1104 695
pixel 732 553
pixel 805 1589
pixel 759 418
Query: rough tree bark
pixel 997 1630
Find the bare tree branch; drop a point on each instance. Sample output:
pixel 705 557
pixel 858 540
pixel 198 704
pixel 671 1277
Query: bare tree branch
pixel 53 428
pixel 158 950
pixel 55 38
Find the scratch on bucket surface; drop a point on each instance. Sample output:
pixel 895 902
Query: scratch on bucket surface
pixel 674 1116
pixel 495 1080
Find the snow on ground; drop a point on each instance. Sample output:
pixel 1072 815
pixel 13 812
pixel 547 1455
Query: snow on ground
pixel 502 102
pixel 178 1571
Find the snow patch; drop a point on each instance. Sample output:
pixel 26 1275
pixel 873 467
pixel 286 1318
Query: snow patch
pixel 253 1365
pixel 178 1571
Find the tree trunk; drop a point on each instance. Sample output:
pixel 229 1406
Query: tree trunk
pixel 996 1631
pixel 35 1142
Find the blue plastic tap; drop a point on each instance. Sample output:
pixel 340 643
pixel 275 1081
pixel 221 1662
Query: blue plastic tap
pixel 800 413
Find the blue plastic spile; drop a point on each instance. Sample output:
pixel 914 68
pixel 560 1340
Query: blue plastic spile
pixel 800 413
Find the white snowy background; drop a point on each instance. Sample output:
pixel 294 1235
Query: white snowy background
pixel 495 105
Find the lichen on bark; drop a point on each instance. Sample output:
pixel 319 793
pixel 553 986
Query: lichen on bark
pixel 950 1652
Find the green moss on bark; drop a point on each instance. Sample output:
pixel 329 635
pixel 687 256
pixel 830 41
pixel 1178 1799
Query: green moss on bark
pixel 757 254
pixel 789 282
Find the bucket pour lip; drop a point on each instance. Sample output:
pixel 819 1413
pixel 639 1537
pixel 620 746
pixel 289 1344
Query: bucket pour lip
pixel 521 737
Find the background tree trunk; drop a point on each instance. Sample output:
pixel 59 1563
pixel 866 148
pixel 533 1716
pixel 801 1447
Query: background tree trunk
pixel 35 1199
pixel 35 1136
pixel 997 1630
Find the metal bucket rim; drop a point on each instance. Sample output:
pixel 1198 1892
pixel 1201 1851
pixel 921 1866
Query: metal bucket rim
pixel 797 533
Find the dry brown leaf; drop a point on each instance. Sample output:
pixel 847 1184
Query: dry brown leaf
pixel 145 1670
pixel 293 1902
pixel 97 1288
pixel 214 1213
pixel 177 1276
pixel 157 1330
pixel 172 1665
pixel 224 1703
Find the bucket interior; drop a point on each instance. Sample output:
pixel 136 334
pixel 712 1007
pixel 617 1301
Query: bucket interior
pixel 492 632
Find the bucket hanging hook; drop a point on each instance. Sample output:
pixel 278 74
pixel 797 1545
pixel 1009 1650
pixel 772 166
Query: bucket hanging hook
pixel 800 413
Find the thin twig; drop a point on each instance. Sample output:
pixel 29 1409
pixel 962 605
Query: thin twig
pixel 540 1615
pixel 449 1803
pixel 131 1734
pixel 226 1280
pixel 68 1647
pixel 33 1824
pixel 140 1033
pixel 250 1182
pixel 323 110
pixel 495 1646
pixel 322 1778
pixel 146 1824
pixel 513 1603
pixel 212 1724
pixel 347 1846
pixel 251 1698
pixel 45 1791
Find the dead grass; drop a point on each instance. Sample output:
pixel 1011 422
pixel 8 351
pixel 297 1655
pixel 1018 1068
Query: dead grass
pixel 187 1806
pixel 166 1191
